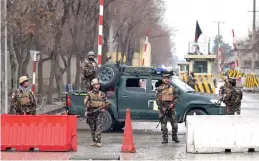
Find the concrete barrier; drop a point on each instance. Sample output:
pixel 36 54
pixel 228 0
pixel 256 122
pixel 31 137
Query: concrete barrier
pixel 215 134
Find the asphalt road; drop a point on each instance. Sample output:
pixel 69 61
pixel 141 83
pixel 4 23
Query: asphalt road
pixel 147 143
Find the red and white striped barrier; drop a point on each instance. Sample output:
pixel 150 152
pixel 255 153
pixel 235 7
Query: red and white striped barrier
pixel 100 35
pixel 34 71
pixel 235 49
pixel 145 47
pixel 34 56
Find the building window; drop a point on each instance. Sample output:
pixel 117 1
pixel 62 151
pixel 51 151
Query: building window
pixel 200 66
pixel 247 64
pixel 184 68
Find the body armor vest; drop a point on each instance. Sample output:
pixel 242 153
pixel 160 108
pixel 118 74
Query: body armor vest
pixel 167 94
pixel 96 100
pixel 25 98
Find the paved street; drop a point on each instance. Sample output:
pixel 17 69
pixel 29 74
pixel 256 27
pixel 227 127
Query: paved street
pixel 147 142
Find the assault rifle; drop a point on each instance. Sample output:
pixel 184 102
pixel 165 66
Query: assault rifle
pixel 162 117
pixel 221 98
pixel 98 109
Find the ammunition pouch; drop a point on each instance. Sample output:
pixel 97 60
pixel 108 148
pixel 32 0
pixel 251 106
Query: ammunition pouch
pixel 97 104
pixel 24 99
pixel 167 97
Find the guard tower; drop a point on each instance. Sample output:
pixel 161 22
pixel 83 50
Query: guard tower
pixel 200 62
pixel 199 58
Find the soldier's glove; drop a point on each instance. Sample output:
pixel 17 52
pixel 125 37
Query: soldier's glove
pixel 85 113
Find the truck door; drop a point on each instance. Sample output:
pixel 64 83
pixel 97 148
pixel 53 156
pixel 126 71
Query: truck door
pixel 133 94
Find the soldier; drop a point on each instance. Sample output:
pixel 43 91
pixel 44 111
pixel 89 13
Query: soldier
pixel 230 98
pixel 191 80
pixel 224 87
pixel 89 70
pixel 166 98
pixel 95 104
pixel 23 100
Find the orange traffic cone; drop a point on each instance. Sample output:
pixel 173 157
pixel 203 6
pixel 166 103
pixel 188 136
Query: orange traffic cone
pixel 128 145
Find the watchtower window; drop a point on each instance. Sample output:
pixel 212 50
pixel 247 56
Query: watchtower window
pixel 200 66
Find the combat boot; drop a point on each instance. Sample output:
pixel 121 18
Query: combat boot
pixel 175 139
pixel 93 144
pixel 99 144
pixel 164 141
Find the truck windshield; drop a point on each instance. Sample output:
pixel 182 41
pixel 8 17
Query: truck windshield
pixel 183 86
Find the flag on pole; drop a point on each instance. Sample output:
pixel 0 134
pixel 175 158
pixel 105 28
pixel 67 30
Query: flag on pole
pixel 198 32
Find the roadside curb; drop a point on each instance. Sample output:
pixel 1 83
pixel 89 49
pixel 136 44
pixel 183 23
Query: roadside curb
pixel 148 131
pixel 56 111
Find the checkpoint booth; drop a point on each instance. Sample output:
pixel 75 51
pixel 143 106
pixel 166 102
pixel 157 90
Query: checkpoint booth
pixel 200 62
pixel 183 70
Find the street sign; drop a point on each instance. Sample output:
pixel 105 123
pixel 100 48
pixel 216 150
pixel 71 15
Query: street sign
pixel 35 55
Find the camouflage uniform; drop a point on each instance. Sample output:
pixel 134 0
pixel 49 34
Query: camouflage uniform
pixel 223 89
pixel 237 103
pixel 166 96
pixel 89 70
pixel 94 100
pixel 23 102
pixel 191 81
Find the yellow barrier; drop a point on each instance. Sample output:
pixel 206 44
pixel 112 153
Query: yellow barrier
pixel 235 73
pixel 185 78
pixel 251 81
pixel 205 84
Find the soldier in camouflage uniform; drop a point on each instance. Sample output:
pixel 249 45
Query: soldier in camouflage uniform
pixel 95 104
pixel 191 80
pixel 89 70
pixel 23 100
pixel 224 87
pixel 166 97
pixel 230 98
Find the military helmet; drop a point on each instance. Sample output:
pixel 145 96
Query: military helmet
pixel 23 79
pixel 166 76
pixel 232 81
pixel 95 81
pixel 90 54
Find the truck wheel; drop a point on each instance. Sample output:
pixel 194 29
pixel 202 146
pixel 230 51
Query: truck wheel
pixel 108 75
pixel 197 111
pixel 107 121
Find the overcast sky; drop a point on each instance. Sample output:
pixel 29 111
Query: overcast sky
pixel 182 15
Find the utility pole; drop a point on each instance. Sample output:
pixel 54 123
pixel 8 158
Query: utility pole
pixel 218 22
pixel 253 35
pixel 219 56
